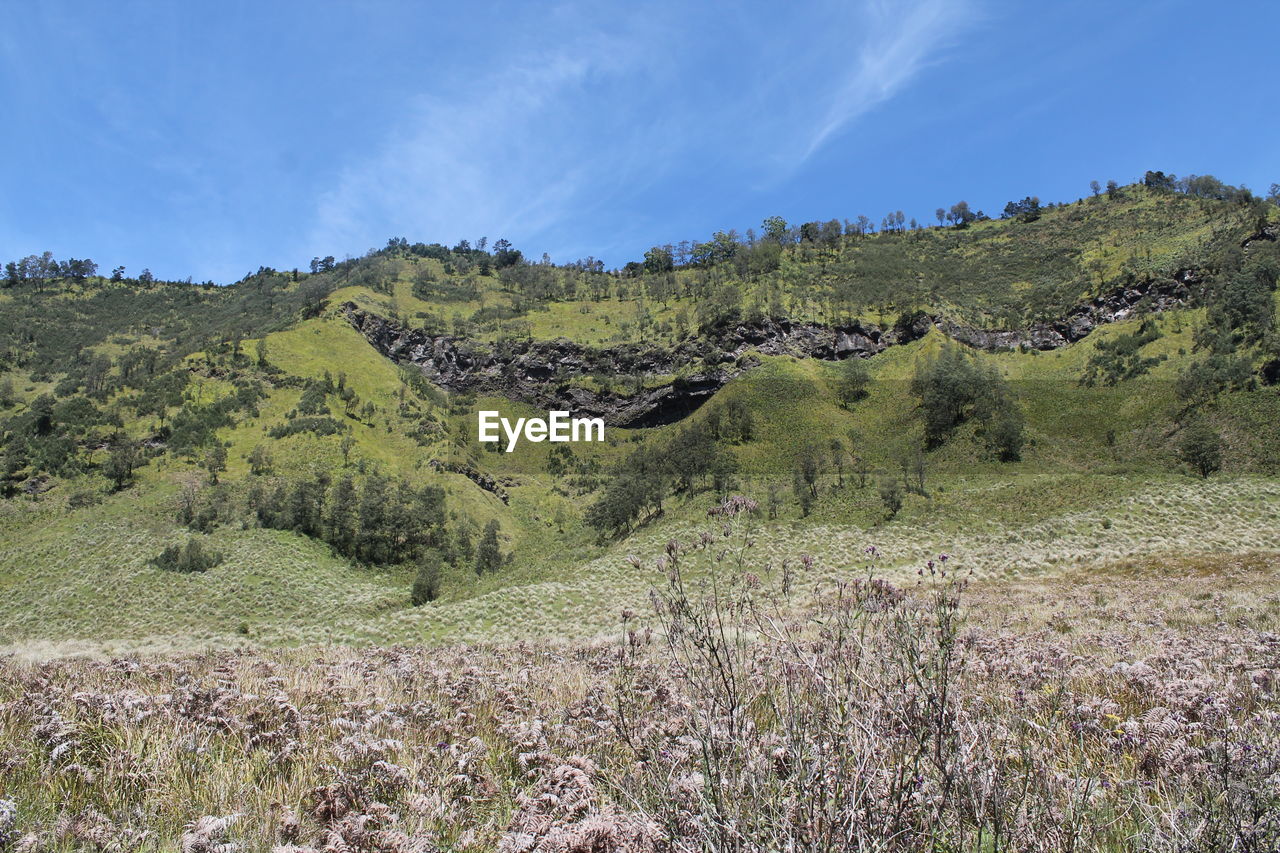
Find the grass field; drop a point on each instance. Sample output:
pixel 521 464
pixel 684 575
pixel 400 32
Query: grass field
pixel 1127 706
pixel 1091 667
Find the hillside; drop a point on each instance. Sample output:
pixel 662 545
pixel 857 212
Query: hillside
pixel 1054 392
pixel 927 538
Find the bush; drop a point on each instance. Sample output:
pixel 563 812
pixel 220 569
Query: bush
pixel 192 557
pixel 319 426
pixel 1201 448
pixel 81 499
pixel 426 586
pixel 854 378
pixel 1120 359
pixel 954 387
pixel 891 495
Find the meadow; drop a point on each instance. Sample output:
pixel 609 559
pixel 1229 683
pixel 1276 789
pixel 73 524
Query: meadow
pixel 751 706
pixel 829 623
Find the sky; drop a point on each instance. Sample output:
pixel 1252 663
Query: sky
pixel 206 139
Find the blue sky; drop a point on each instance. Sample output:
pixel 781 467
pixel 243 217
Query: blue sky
pixel 205 139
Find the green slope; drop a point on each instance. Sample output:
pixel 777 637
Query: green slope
pixel 1098 480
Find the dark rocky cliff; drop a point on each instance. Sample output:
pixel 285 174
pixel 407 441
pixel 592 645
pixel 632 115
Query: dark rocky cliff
pixel 550 374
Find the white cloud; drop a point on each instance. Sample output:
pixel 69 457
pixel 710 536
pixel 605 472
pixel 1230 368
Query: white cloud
pixel 507 154
pixel 897 41
pixel 535 149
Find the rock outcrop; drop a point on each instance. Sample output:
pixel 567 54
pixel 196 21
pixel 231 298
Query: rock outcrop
pixel 485 481
pixel 619 383
pixel 1269 233
pixel 559 374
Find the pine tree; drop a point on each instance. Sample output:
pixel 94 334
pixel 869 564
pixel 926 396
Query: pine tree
pixel 488 552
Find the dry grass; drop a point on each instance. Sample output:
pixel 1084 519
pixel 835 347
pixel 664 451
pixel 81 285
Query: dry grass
pixel 1132 708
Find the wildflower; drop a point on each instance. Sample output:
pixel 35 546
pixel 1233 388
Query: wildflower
pixel 8 818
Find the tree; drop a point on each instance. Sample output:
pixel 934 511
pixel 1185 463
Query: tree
pixel 260 350
pixel 854 378
pixel 1201 448
pixel 488 551
pixel 773 499
pixel 1113 190
pixel 1159 181
pixel 426 584
pixel 915 468
pixel 803 492
pixel 862 469
pixel 722 307
pixel 1095 188
pixel 775 228
pixel 954 387
pixel 961 215
pixel 504 255
pixel 941 213
pixel 189 558
pixel 807 470
pixel 215 460
pixel 838 456
pixel 723 469
pixel 1273 194
pixel 737 426
pixel 1027 210
pixel 891 495
pixel 658 260
pixel 1006 434
pixel 342 521
pixel 122 458
pixel 260 461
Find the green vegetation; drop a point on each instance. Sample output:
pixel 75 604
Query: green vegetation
pixel 1201 448
pixel 140 417
pixel 192 557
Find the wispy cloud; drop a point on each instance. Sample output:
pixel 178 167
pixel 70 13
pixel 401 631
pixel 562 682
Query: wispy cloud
pixel 897 41
pixel 547 143
pixel 508 152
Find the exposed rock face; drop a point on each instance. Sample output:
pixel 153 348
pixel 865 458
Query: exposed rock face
pixel 543 373
pixel 1081 320
pixel 1268 232
pixel 485 481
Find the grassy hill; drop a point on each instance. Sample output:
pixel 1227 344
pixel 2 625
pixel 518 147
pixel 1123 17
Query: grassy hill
pixel 163 379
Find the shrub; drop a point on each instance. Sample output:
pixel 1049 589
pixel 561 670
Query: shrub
pixel 955 387
pixel 1120 359
pixel 84 498
pixel 488 551
pixel 1201 448
pixel 426 585
pixel 854 378
pixel 891 495
pixel 317 425
pixel 192 557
